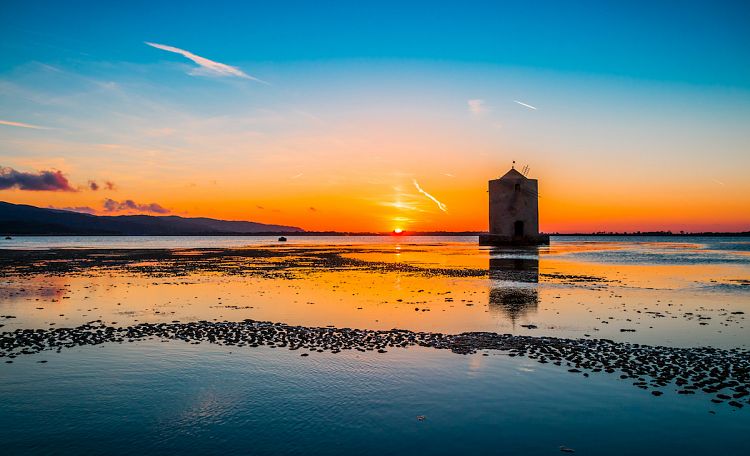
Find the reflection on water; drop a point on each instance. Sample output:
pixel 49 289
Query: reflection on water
pixel 525 270
pixel 513 278
pixel 513 302
pixel 551 288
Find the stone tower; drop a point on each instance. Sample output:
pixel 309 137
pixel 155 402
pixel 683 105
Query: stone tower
pixel 514 211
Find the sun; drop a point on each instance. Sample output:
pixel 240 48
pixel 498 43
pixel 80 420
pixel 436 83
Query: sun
pixel 398 231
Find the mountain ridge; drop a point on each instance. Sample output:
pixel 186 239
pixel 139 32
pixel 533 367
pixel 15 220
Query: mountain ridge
pixel 20 219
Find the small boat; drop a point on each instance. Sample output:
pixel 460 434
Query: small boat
pixel 282 239
pixel 8 238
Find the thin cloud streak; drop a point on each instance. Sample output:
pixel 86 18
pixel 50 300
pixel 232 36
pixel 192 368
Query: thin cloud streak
pixel 208 66
pixel 524 104
pixel 22 125
pixel 80 209
pixel 403 205
pixel 442 206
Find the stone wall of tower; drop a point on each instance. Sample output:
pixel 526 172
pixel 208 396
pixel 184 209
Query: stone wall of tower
pixel 514 200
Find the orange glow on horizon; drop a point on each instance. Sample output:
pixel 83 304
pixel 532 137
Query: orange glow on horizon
pixel 575 205
pixel 350 159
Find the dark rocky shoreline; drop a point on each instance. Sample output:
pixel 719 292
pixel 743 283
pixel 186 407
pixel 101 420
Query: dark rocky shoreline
pixel 722 374
pixel 264 262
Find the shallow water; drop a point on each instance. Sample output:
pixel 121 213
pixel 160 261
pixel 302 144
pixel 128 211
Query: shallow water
pixel 573 288
pixel 172 396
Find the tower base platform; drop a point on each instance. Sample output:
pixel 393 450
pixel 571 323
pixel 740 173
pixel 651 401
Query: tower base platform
pixel 497 239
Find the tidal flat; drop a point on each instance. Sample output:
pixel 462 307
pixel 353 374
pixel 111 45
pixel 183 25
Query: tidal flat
pixel 645 327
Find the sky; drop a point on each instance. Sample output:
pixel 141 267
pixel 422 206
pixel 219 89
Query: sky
pixel 372 116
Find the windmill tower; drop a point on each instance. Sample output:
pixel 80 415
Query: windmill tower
pixel 514 211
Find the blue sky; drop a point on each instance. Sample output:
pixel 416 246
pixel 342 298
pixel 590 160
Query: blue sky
pixel 684 41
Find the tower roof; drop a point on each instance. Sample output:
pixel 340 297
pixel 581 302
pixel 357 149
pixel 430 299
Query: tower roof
pixel 513 174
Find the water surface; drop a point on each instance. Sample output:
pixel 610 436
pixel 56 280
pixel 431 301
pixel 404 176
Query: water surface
pixel 154 396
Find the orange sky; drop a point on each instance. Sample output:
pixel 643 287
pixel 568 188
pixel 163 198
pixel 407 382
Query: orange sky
pixel 340 148
pixel 566 205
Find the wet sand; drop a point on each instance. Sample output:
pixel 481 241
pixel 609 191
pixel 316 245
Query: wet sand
pixel 440 295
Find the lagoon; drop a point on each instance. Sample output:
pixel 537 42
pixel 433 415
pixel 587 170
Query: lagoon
pixel 166 395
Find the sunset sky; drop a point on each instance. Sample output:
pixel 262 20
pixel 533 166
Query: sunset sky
pixel 332 115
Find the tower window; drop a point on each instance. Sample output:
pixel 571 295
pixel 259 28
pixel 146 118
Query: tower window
pixel 517 187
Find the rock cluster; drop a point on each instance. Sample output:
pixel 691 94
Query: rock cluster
pixel 725 374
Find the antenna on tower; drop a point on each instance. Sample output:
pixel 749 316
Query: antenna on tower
pixel 513 166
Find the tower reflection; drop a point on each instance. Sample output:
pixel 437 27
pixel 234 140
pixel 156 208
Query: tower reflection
pixel 514 274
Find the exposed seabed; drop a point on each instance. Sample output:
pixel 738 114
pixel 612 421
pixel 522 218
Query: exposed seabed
pixel 725 374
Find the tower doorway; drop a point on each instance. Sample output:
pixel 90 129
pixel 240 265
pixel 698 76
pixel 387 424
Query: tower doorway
pixel 518 228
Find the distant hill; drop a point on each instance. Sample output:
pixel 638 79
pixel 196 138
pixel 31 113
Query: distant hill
pixel 19 219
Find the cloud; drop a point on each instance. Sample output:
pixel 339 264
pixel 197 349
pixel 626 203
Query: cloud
pixel 81 209
pixel 477 107
pixel 52 181
pixel 297 176
pixel 111 205
pixel 259 207
pixel 312 209
pixel 208 67
pixel 524 104
pixel 442 206
pixel 22 125
pixel 95 186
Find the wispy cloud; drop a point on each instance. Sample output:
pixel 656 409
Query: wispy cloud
pixel 22 125
pixel 524 104
pixel 442 206
pixel 403 205
pixel 111 205
pixel 207 66
pixel 297 176
pixel 477 106
pixel 81 209
pixel 51 181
